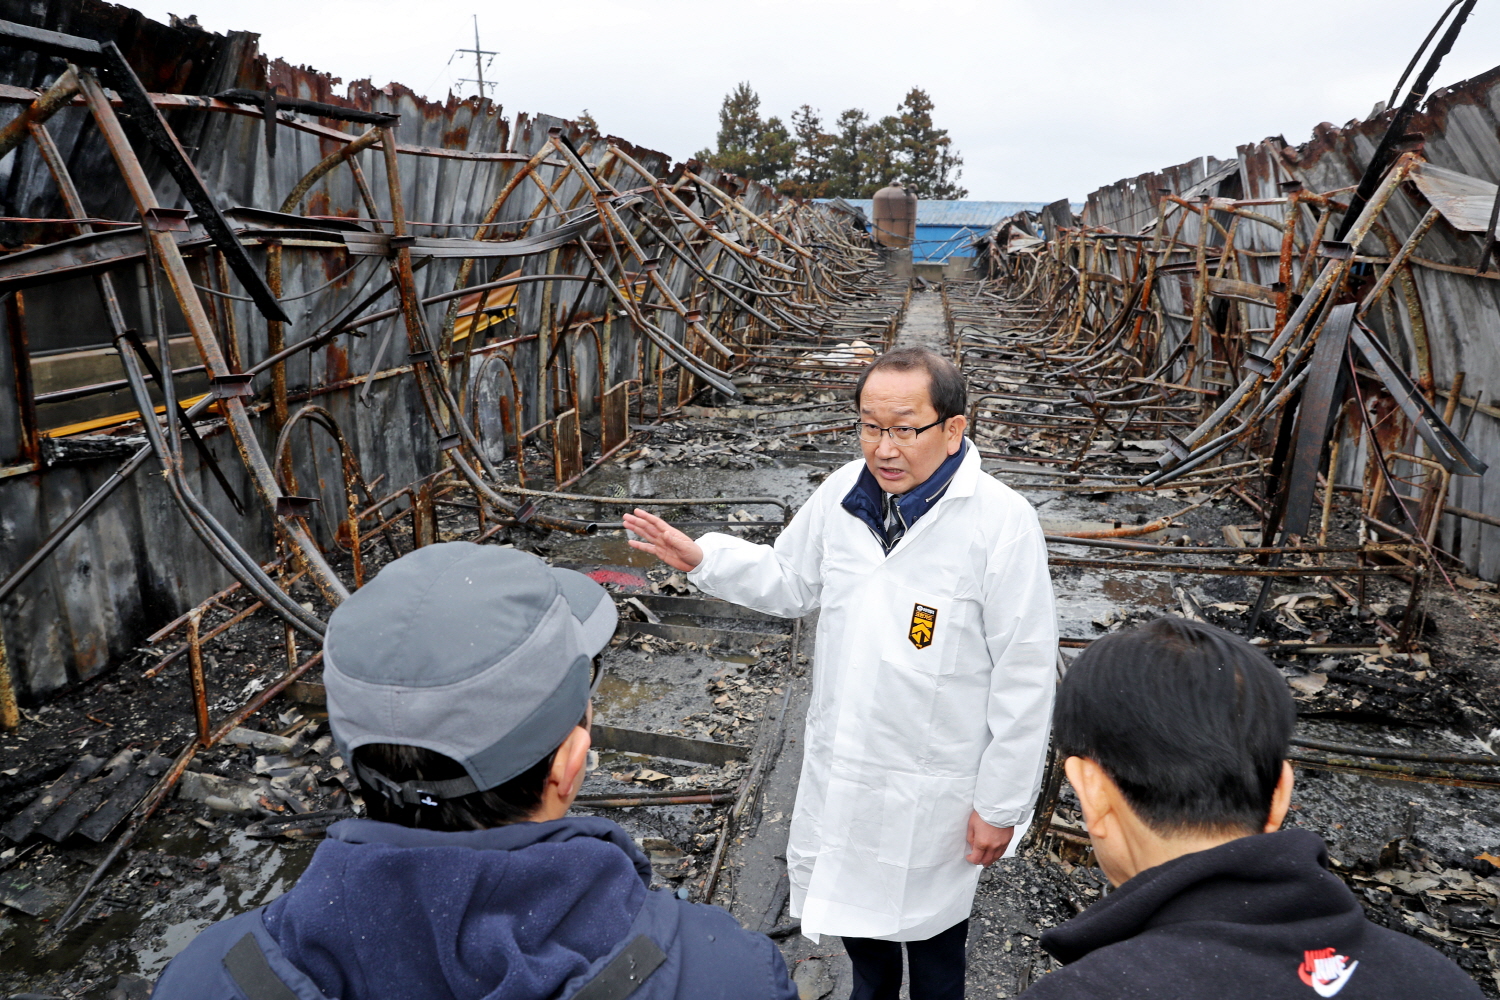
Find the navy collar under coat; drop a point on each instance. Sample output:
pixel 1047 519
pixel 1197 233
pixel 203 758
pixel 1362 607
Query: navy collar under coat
pixel 866 500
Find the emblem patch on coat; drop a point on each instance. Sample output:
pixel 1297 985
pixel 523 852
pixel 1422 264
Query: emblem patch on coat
pixel 923 624
pixel 1326 971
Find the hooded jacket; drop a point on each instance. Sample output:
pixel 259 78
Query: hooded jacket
pixel 531 911
pixel 1260 917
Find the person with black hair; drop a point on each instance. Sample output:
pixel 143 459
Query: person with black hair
pixel 459 683
pixel 935 667
pixel 1175 738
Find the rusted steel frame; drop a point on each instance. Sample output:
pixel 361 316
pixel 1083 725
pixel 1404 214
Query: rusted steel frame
pixel 1191 568
pixel 236 417
pixel 47 104
pixel 195 677
pixel 148 124
pixel 230 328
pixel 1314 415
pixel 1397 753
pixel 654 333
pixel 436 398
pixel 181 620
pixel 105 285
pixel 10 94
pixel 147 807
pixel 1439 437
pixel 365 195
pixel 1397 128
pixel 1433 512
pixel 128 468
pixel 1398 259
pixel 728 202
pixel 1330 277
pixel 647 799
pixel 510 423
pixel 716 281
pixel 375 317
pixel 219 541
pixel 1398 772
pixel 751 253
pixel 293 200
pixel 789 323
pixel 1416 317
pixel 1284 261
pixel 550 191
pixel 128 340
pixel 607 209
pixel 647 501
pixel 351 476
pixel 1094 542
pixel 431 384
pixel 174 655
pixel 10 712
pixel 276 343
pixel 1309 252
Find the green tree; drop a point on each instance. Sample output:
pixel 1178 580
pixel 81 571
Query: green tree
pixel 740 129
pixel 773 154
pixel 849 164
pixel 925 153
pixel 811 171
pixel 855 160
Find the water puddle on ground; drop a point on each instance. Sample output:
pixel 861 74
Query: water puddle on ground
pixel 170 906
pixel 617 696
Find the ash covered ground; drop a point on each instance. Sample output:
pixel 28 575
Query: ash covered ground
pixel 1421 857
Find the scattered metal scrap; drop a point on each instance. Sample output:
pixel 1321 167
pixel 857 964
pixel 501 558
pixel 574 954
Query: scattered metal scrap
pixel 671 287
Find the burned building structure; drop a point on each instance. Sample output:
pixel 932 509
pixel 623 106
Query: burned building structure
pixel 1258 391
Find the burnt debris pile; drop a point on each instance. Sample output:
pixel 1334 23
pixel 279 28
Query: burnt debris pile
pixel 1257 392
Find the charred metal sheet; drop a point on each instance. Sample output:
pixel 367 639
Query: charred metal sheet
pixel 667 745
pixel 1314 416
pixel 380 245
pixel 95 252
pixel 1445 444
pixel 1466 202
pixel 733 638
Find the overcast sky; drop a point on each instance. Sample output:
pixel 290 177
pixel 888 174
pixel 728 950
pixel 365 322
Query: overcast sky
pixel 1044 98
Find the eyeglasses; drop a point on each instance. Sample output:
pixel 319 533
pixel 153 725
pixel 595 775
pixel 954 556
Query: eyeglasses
pixel 903 436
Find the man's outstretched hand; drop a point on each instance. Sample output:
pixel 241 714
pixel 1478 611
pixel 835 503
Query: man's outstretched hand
pixel 986 843
pixel 663 541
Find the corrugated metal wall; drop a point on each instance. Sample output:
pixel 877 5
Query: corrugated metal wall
pixel 134 565
pixel 1459 310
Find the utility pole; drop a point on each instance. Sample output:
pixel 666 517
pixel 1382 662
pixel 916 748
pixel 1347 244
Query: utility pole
pixel 479 60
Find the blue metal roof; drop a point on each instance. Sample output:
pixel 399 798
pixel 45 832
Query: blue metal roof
pixel 938 243
pixel 982 214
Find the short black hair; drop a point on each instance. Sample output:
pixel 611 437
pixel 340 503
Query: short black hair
pixel 1192 723
pixel 945 383
pixel 515 801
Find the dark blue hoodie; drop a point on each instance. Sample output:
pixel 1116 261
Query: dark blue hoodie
pixel 531 911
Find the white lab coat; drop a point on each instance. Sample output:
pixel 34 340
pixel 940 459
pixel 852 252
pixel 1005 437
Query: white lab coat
pixel 902 743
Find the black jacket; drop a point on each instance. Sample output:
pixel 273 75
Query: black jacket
pixel 1260 917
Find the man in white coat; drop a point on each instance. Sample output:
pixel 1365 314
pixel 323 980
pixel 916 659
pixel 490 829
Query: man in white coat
pixel 933 681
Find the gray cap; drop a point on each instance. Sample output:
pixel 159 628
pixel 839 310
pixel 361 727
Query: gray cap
pixel 478 652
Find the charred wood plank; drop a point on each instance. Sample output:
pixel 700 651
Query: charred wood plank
pixel 102 823
pixel 86 798
pixel 44 805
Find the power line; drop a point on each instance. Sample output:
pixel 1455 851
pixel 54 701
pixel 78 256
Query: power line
pixel 479 61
